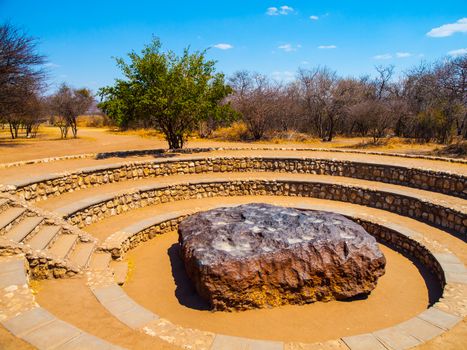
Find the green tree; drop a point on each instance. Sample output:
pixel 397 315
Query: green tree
pixel 168 92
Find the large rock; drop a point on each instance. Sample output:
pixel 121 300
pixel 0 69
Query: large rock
pixel 259 255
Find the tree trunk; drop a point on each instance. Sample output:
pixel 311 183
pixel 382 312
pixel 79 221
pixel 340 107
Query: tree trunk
pixel 175 141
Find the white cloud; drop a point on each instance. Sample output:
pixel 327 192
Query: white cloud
pixel 458 52
pixel 304 62
pixel 385 56
pixel 403 54
pixel 314 18
pixel 223 46
pixel 272 11
pixel 449 29
pixel 283 75
pixel 327 47
pixel 283 10
pixel 289 47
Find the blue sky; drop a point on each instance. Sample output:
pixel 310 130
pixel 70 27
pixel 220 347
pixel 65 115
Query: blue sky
pixel 269 36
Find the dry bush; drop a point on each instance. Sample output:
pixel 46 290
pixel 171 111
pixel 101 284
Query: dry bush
pixel 93 121
pixel 289 136
pixel 238 131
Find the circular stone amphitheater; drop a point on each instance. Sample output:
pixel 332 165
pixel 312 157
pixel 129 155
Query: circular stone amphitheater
pixel 90 257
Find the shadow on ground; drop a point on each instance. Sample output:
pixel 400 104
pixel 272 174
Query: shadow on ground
pixel 185 291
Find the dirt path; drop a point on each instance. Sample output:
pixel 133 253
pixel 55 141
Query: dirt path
pixel 90 140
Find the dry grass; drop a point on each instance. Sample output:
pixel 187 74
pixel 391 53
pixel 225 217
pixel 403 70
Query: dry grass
pixel 144 133
pixel 455 150
pixel 236 132
pixel 93 121
pixel 396 144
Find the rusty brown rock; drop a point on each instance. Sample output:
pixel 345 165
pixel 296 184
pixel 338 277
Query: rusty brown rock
pixel 260 255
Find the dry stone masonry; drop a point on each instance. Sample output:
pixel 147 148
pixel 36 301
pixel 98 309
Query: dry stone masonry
pixel 437 215
pixel 56 184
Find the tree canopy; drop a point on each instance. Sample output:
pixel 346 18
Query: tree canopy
pixel 166 91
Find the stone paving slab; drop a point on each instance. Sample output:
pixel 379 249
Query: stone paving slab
pixel 225 342
pixel 86 341
pixel 419 329
pixel 453 267
pixel 395 339
pixel 447 258
pixel 137 317
pixel 439 318
pixel 328 345
pixel 363 342
pixel 15 277
pixel 107 294
pixel 120 305
pixel 51 334
pixel 12 265
pixel 454 277
pixel 28 321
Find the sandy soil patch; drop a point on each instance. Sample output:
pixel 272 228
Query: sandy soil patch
pixel 159 283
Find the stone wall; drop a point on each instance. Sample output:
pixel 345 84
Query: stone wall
pixel 447 183
pixel 406 246
pixel 436 215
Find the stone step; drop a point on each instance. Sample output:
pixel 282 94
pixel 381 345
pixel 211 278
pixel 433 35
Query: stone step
pixel 10 215
pixel 43 237
pixel 82 253
pixel 100 261
pixel 63 245
pixel 19 231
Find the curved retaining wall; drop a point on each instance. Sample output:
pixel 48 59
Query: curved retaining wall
pixel 447 183
pixel 433 214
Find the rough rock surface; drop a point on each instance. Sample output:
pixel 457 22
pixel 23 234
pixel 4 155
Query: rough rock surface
pixel 260 255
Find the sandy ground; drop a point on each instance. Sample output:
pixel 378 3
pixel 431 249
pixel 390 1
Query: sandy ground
pixel 53 294
pixel 9 342
pixel 159 283
pixel 101 140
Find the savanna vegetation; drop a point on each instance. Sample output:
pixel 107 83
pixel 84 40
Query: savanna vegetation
pixel 182 95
